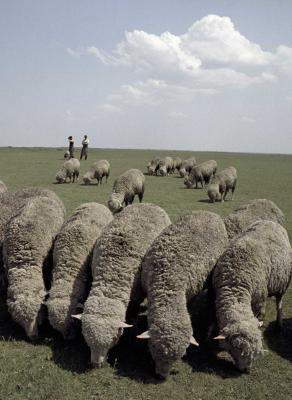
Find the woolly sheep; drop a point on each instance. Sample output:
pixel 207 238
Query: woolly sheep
pixel 125 188
pixel 258 209
pixel 220 185
pixel 97 171
pixel 70 169
pixel 186 166
pixel 201 173
pixel 153 166
pixel 72 258
pixel 256 265
pixel 28 241
pixel 165 166
pixel 177 163
pixel 175 270
pixel 116 264
pixel 3 187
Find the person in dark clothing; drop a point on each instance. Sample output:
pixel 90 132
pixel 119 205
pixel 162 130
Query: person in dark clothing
pixel 71 146
pixel 84 150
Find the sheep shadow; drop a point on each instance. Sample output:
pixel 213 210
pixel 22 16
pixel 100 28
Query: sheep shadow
pixel 280 341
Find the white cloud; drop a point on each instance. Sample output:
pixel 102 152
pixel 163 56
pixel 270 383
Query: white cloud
pixel 249 120
pixel 74 53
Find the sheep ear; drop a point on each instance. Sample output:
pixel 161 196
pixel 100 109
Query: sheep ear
pixel 219 337
pixel 193 341
pixel 124 325
pixel 144 335
pixel 76 316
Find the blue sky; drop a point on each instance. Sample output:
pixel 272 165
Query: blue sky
pixel 184 74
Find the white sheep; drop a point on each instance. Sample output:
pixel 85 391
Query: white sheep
pixel 256 265
pixel 70 169
pixel 186 166
pixel 220 185
pixel 71 263
pixel 125 188
pixel 97 171
pixel 165 166
pixel 202 173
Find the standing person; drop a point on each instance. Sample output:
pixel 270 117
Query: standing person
pixel 84 150
pixel 71 146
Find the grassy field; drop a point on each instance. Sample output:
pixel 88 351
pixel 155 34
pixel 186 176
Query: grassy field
pixel 55 369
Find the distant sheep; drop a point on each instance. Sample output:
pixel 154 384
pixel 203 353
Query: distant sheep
pixel 186 166
pixel 165 166
pixel 72 258
pixel 3 187
pixel 175 270
pixel 220 185
pixel 125 188
pixel 245 215
pixel 202 173
pixel 70 169
pixel 177 162
pixel 256 265
pixel 28 241
pixel 153 166
pixel 116 265
pixel 97 171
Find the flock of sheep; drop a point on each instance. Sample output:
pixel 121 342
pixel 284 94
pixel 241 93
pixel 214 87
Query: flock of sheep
pixel 98 266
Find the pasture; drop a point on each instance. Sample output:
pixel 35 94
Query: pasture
pixel 55 369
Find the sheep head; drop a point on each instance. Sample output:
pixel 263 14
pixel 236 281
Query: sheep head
pixel 61 176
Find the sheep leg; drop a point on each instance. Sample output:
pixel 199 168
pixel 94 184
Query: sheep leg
pixel 279 305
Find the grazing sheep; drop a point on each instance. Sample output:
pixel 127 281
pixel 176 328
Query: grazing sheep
pixel 70 169
pixel 175 270
pixel 153 166
pixel 165 166
pixel 256 265
pixel 186 166
pixel 72 258
pixel 220 185
pixel 67 154
pixel 28 241
pixel 201 173
pixel 3 187
pixel 245 215
pixel 126 187
pixel 177 164
pixel 116 262
pixel 97 171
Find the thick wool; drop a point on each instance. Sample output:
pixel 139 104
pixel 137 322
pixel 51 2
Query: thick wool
pixel 70 169
pixel 98 171
pixel 28 241
pixel 72 258
pixel 177 162
pixel 10 205
pixel 165 166
pixel 245 215
pixel 222 183
pixel 153 166
pixel 186 166
pixel 256 265
pixel 174 271
pixel 125 188
pixel 201 173
pixel 3 187
pixel 116 271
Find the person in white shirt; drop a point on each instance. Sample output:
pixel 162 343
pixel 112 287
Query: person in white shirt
pixel 84 150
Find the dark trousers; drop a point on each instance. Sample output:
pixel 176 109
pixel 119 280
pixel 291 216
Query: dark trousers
pixel 84 152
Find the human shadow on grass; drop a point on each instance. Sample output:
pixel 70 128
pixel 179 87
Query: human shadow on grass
pixel 280 341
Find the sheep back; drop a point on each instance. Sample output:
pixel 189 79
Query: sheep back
pixel 224 181
pixel 186 166
pixel 201 173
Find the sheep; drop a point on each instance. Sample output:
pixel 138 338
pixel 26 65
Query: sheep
pixel 165 166
pixel 10 204
pixel 97 171
pixel 3 187
pixel 67 154
pixel 125 188
pixel 116 262
pixel 153 166
pixel 186 166
pixel 175 270
pixel 256 265
pixel 220 185
pixel 258 209
pixel 177 164
pixel 201 173
pixel 28 241
pixel 70 169
pixel 71 259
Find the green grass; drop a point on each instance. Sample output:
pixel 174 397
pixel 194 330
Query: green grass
pixel 55 369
